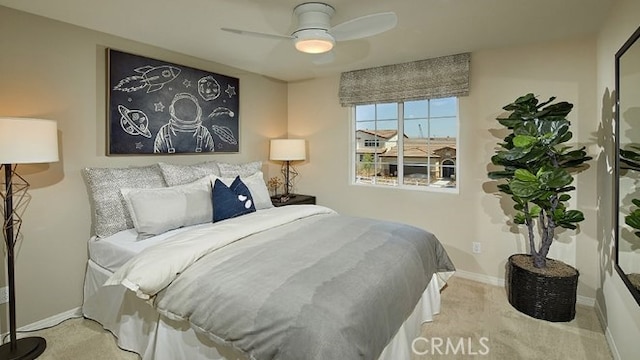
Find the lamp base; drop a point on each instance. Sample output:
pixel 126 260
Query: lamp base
pixel 26 349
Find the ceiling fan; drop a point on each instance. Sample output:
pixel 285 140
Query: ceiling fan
pixel 315 35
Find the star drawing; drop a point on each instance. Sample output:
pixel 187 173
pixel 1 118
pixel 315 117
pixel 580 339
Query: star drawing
pixel 159 106
pixel 230 90
pixel 186 83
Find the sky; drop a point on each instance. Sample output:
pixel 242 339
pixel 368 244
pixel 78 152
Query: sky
pixel 433 118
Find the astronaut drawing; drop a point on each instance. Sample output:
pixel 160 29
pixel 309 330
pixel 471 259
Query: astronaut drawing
pixel 184 132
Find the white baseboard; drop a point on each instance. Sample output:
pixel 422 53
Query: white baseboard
pixel 607 333
pixel 486 279
pixel 492 280
pixel 52 320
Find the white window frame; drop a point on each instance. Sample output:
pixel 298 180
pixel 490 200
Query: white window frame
pixel 353 161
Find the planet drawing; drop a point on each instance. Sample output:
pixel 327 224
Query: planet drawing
pixel 134 122
pixel 208 88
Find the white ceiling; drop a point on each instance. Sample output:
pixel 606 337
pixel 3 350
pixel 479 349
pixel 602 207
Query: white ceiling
pixel 426 28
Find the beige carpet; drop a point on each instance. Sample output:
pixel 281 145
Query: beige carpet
pixel 476 322
pixel 476 312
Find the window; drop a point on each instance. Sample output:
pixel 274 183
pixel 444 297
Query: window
pixel 372 142
pixel 410 144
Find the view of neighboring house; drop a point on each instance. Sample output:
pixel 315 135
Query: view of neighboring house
pixel 425 161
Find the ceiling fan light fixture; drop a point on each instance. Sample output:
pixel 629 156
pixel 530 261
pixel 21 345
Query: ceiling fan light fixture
pixel 313 41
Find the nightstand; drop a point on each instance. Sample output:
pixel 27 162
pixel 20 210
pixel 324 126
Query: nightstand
pixel 297 199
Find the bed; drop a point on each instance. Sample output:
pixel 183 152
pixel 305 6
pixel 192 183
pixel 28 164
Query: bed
pixel 273 283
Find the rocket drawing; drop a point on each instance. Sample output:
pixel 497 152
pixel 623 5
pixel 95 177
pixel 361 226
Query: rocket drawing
pixel 152 77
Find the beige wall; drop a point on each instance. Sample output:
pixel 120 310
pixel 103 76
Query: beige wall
pixel 56 71
pixel 620 312
pixel 565 69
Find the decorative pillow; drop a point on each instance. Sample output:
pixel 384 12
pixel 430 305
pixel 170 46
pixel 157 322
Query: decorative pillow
pixel 231 201
pixel 257 187
pixel 110 214
pixel 155 211
pixel 228 170
pixel 183 174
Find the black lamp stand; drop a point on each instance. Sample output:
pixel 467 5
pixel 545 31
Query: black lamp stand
pixel 29 347
pixel 289 173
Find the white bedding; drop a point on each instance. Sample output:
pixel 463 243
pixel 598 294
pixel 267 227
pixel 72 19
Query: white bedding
pixel 140 328
pixel 113 251
pixel 160 264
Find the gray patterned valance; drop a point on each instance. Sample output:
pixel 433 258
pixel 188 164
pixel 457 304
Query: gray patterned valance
pixel 425 79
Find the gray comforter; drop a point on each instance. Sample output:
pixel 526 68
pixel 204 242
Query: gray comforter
pixel 322 287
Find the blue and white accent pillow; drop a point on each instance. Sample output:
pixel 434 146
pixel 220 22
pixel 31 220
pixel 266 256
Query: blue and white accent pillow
pixel 231 201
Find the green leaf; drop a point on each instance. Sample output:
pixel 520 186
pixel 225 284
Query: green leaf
pixel 509 123
pixel 546 102
pixel 525 175
pixel 535 211
pixel 564 197
pixel 573 216
pixel 567 226
pixel 631 155
pixel 633 219
pixel 502 174
pixel 524 189
pixel 636 202
pixel 524 141
pixel 557 178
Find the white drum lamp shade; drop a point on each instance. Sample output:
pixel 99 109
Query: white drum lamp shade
pixel 25 140
pixel 287 149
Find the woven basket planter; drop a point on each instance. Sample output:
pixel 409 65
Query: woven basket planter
pixel 540 295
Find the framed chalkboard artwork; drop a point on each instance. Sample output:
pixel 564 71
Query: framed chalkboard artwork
pixel 156 107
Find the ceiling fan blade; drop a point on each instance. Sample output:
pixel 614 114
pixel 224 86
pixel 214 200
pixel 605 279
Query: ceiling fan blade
pixel 324 58
pixel 257 34
pixel 364 26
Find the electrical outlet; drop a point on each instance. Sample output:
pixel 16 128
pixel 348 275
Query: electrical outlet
pixel 477 248
pixel 4 295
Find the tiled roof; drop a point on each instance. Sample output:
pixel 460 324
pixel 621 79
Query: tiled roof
pixel 422 147
pixel 385 134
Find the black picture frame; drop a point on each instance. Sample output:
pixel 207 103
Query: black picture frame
pixel 618 221
pixel 157 107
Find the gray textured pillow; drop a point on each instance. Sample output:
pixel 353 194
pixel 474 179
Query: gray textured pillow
pixel 183 174
pixel 155 211
pixel 256 185
pixel 110 213
pixel 228 170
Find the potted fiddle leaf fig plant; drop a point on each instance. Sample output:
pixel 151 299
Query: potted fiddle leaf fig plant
pixel 535 170
pixel 630 160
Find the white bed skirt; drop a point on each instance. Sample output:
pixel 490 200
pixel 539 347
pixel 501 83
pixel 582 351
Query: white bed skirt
pixel 139 328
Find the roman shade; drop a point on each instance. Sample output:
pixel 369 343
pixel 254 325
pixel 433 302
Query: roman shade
pixel 424 79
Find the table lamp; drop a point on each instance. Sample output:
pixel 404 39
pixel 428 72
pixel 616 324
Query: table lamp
pixel 288 150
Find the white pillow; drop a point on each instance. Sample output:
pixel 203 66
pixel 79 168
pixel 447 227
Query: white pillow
pixel 257 187
pixel 155 211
